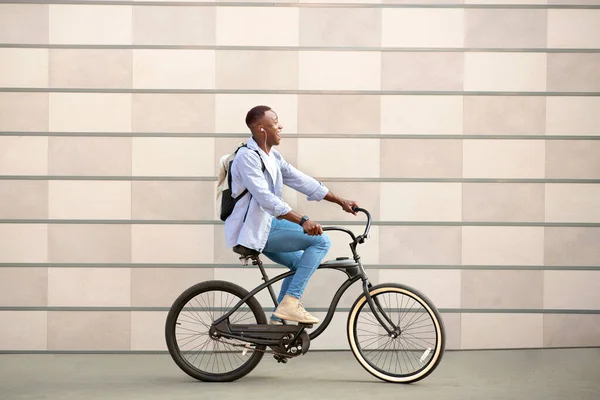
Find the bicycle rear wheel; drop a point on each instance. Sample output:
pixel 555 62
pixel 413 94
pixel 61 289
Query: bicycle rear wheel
pixel 415 352
pixel 187 332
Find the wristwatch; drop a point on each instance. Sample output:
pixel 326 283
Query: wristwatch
pixel 303 220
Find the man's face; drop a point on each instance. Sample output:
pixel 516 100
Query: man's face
pixel 270 123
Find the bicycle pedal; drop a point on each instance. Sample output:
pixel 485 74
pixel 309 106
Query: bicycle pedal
pixel 280 359
pixel 305 326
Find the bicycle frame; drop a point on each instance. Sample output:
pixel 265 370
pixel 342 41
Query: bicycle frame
pixel 354 272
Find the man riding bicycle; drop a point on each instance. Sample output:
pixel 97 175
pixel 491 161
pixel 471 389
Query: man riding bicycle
pixel 261 220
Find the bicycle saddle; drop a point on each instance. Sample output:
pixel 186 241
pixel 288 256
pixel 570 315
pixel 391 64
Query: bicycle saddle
pixel 244 251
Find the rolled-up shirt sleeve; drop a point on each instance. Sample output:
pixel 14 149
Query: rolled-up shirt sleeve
pixel 252 178
pixel 305 184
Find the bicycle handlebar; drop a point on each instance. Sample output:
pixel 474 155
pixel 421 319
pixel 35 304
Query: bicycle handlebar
pixel 360 238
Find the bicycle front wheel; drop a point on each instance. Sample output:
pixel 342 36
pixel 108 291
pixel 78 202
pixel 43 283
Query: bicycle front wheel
pixel 419 346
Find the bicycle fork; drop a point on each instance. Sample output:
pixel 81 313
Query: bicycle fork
pixel 377 310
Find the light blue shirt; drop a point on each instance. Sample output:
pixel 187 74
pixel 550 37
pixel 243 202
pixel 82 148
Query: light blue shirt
pixel 250 222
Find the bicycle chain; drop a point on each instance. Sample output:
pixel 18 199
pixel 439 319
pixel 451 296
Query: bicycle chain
pixel 255 349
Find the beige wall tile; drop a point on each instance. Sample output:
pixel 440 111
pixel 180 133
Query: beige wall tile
pixel 414 244
pixel 572 246
pixel 26 330
pixel 351 27
pixel 574 28
pixel 503 159
pixel 441 286
pixel 520 2
pixel 503 202
pixel 174 69
pixel 222 253
pixel 95 156
pixel 24 199
pixel 505 28
pixel 369 251
pixel 82 243
pixel 288 148
pixel 577 159
pixel 559 332
pixel 572 290
pixel 452 329
pixel 24 68
pixel 90 24
pixel 170 113
pixel 574 72
pixel 344 163
pixel 87 287
pixel 365 193
pixel 325 283
pixel 568 202
pixel 173 157
pixel 421 158
pixel 23 155
pixel 172 200
pixel 501 331
pixel 237 26
pixel 421 201
pixel 90 112
pixel 89 200
pixel 502 245
pixel 23 243
pixel 165 25
pixel 505 72
pixel 572 115
pixel 422 28
pixel 332 337
pixel 435 115
pixel 502 289
pixel 342 70
pixel 504 115
pixel 339 114
pixel 90 68
pixel 24 112
pixel 24 23
pixel 159 287
pixel 231 110
pixel 84 330
pixel 422 71
pixel 237 69
pixel 23 286
pixel 148 331
pixel 249 278
pixel 172 244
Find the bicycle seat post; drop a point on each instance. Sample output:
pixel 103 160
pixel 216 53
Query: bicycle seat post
pixel 257 261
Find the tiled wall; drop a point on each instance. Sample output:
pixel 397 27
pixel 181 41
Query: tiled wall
pixel 470 131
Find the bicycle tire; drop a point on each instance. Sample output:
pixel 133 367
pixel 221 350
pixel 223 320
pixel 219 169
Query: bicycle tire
pixel 361 354
pixel 171 336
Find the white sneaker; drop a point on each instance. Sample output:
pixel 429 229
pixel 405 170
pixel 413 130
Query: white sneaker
pixel 291 309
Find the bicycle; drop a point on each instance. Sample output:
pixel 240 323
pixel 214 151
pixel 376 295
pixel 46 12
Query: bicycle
pixel 383 328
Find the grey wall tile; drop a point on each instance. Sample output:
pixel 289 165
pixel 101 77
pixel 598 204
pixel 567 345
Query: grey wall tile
pixel 572 246
pixel 24 199
pixel 422 71
pixel 24 23
pixel 24 112
pixel 168 113
pixel 414 244
pixel 505 28
pixel 27 330
pixel 91 68
pixel 504 115
pixel 562 330
pixel 576 159
pixel 338 114
pixel 452 326
pixel 172 200
pixel 503 202
pixel 83 330
pixel 89 243
pixel 421 158
pixel 174 25
pixel 573 72
pixel 99 156
pixel 502 289
pixel 352 27
pixel 23 286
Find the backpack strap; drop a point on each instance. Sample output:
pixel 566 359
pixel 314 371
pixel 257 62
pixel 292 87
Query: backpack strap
pixel 229 170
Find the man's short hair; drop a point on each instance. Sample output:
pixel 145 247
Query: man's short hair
pixel 255 114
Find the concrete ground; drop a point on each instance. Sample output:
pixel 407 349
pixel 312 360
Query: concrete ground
pixel 572 374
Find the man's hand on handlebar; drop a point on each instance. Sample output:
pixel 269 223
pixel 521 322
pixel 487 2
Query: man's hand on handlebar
pixel 349 205
pixel 312 228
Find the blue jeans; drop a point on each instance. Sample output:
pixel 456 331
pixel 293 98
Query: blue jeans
pixel 289 245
